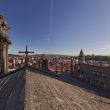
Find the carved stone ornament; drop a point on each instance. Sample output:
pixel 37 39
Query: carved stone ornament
pixel 3 25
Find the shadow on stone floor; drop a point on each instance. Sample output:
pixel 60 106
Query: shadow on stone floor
pixel 12 92
pixel 68 78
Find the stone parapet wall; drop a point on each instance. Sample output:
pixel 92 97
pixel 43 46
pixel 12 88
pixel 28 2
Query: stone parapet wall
pixel 96 76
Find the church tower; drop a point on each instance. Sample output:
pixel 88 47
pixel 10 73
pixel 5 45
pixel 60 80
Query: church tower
pixel 81 58
pixel 4 44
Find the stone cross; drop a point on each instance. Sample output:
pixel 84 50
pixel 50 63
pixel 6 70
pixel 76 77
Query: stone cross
pixel 26 52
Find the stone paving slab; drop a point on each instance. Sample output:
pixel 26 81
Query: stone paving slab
pixel 46 93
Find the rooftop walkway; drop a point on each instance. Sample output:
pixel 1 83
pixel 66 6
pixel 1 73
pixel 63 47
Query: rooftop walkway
pixel 30 89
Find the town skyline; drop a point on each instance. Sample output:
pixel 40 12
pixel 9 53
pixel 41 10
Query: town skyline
pixel 58 26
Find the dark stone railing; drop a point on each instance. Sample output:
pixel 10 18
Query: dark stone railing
pixel 45 71
pixel 12 72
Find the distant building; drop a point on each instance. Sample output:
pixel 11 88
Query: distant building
pixel 81 58
pixel 98 76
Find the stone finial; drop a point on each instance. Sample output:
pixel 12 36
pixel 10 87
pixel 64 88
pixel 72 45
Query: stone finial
pixel 4 30
pixel 3 25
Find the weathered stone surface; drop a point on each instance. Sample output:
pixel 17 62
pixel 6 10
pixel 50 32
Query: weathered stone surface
pixel 12 91
pixel 33 90
pixel 4 44
pixel 46 93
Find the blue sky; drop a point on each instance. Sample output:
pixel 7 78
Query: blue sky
pixel 58 26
